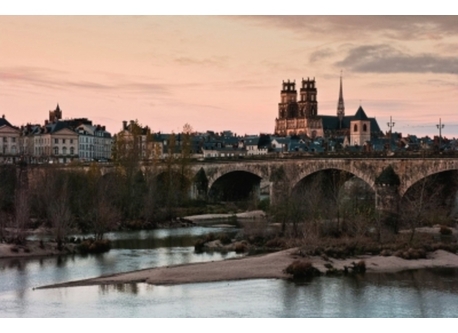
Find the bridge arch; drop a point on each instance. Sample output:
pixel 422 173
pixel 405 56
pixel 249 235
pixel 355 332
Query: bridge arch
pixel 313 169
pixel 420 171
pixel 261 172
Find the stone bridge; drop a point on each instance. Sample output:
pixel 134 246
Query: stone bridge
pixel 409 171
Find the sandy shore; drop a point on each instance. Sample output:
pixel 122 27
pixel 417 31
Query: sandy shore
pixel 208 217
pixel 269 266
pixel 31 249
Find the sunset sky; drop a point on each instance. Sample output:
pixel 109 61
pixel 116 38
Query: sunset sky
pixel 225 72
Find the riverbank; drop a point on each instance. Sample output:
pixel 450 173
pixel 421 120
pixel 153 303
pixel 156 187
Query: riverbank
pixel 269 266
pixel 251 215
pixel 33 249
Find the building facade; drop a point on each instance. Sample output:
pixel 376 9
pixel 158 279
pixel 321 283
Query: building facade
pixel 296 117
pixel 300 117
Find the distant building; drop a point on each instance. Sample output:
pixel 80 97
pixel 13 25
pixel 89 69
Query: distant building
pixel 94 142
pixel 9 141
pixel 137 140
pixel 300 117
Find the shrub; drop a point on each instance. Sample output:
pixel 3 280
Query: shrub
pixel 210 237
pixel 445 231
pixel 199 245
pixel 301 269
pixel 240 247
pixel 276 243
pixel 225 239
pixel 359 267
pixel 94 246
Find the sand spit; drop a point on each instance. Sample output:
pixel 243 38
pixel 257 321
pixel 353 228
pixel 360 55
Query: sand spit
pixel 269 266
pixel 33 249
pixel 255 214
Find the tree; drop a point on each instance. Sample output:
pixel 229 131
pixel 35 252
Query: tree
pixel 129 150
pixel 104 216
pixel 22 214
pixel 287 207
pixel 425 202
pixel 59 213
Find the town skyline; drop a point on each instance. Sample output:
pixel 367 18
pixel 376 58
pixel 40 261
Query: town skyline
pixel 225 72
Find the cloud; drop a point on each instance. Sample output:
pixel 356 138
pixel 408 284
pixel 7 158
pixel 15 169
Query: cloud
pixel 321 54
pixel 386 59
pixel 212 61
pixel 54 79
pixel 396 27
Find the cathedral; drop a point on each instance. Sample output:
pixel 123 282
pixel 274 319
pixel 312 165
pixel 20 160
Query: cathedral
pixel 300 117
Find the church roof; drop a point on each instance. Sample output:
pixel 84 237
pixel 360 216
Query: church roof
pixel 3 122
pixel 360 114
pixel 332 123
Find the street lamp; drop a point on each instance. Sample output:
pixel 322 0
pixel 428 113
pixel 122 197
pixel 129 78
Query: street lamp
pixel 440 126
pixel 390 125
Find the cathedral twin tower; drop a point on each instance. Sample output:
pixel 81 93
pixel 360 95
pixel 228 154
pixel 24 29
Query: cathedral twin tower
pixel 301 117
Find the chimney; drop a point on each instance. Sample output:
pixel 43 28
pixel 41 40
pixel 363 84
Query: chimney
pixel 124 125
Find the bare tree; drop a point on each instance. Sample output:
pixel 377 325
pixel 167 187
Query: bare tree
pixel 22 214
pixel 60 215
pixel 105 217
pixel 421 202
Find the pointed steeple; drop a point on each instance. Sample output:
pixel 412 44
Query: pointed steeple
pixel 340 103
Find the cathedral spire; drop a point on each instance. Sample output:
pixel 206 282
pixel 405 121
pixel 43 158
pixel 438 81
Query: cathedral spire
pixel 340 103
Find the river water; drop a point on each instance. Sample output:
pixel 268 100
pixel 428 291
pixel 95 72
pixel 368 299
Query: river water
pixel 423 293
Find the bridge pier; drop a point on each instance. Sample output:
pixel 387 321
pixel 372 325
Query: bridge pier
pixel 265 189
pixel 387 200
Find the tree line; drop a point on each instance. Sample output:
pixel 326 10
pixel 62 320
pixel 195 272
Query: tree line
pixel 83 199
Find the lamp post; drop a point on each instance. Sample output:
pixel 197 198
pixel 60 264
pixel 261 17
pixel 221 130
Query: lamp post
pixel 390 125
pixel 440 126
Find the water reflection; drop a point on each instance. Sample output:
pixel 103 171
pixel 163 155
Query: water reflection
pixel 131 288
pixel 422 293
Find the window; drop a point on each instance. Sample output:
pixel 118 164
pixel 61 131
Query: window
pixel 63 140
pixel 5 139
pixel 72 151
pixel 13 139
pixel 355 128
pixel 364 128
pixel 64 150
pixel 71 141
pixel 56 150
pixel 56 141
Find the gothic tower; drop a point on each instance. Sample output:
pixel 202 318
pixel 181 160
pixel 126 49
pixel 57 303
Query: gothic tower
pixel 308 104
pixel 55 115
pixel 288 96
pixel 340 105
pixel 360 128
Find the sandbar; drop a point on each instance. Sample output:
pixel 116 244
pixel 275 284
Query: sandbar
pixel 267 266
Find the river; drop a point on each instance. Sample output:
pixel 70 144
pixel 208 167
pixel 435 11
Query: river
pixel 423 293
